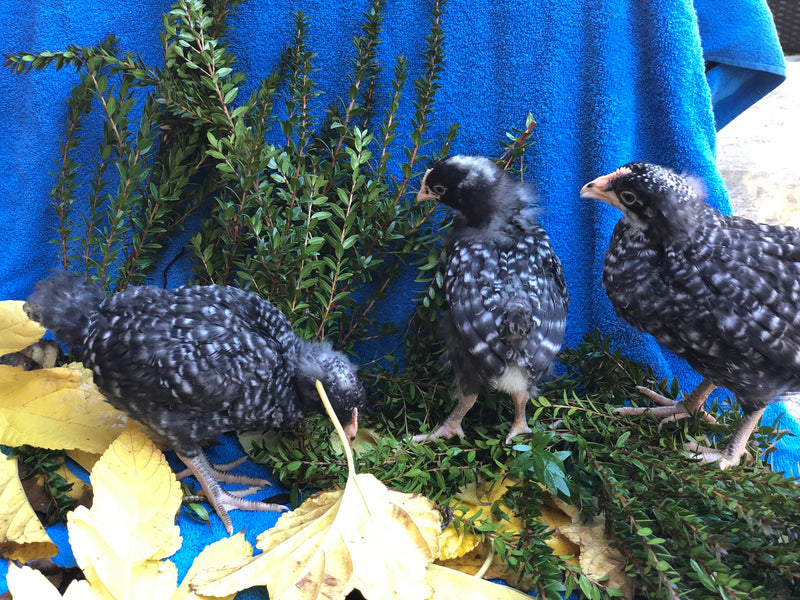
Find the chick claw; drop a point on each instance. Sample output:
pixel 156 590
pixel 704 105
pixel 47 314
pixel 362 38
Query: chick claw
pixel 517 428
pixel 452 424
pixel 671 410
pixel 732 455
pixel 243 493
pixel 446 430
pixel 220 472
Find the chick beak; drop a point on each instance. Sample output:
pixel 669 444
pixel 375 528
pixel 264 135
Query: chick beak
pixel 424 193
pixel 351 429
pixel 597 189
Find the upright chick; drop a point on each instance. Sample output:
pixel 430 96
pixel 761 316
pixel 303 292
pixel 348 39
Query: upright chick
pixel 196 362
pixel 721 292
pixel 503 284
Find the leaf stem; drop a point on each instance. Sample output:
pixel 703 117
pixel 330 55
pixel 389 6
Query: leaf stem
pixel 348 451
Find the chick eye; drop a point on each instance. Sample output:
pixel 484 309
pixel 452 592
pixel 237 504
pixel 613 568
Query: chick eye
pixel 628 198
pixel 439 189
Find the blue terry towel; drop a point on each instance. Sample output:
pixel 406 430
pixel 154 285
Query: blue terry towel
pixel 608 81
pixel 744 73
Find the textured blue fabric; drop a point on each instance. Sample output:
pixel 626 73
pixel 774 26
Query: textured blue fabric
pixel 735 38
pixel 608 81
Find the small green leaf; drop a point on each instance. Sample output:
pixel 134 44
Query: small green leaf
pixel 622 439
pixel 230 95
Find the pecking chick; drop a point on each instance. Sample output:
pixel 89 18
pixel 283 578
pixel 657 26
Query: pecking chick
pixel 720 291
pixel 504 287
pixel 196 362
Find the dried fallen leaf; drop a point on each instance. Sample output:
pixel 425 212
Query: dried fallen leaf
pixel 597 558
pixel 225 551
pixel 474 501
pixel 22 536
pixel 58 408
pixel 120 541
pixel 450 584
pixel 26 583
pixel 17 331
pixel 365 537
pixel 366 439
pixel 581 544
pixel 131 525
pixel 87 460
pixel 40 498
pixel 482 560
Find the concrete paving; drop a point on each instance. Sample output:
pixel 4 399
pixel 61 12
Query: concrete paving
pixel 758 155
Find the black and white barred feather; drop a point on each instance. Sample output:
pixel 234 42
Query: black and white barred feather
pixel 195 362
pixel 720 291
pixel 503 284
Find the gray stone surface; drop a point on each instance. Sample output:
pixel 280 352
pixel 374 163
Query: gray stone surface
pixel 758 155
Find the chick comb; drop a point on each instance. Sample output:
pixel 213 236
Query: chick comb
pixel 621 172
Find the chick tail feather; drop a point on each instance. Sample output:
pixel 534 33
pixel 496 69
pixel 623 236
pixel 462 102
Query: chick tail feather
pixel 64 304
pixel 518 320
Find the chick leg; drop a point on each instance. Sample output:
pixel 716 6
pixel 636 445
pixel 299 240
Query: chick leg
pixel 733 452
pixel 520 424
pixel 452 424
pixel 670 410
pixel 222 500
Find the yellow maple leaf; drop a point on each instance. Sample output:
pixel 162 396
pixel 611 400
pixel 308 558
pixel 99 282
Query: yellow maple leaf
pixel 25 583
pixel 135 494
pixel 474 502
pixel 121 542
pixel 85 459
pixel 450 584
pixel 17 331
pixel 583 544
pixel 22 536
pixel 233 550
pixel 364 537
pixel 131 525
pixel 57 409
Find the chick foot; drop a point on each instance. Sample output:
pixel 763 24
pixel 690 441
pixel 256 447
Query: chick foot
pixel 736 448
pixel 220 499
pixel 670 410
pixel 452 424
pixel 220 472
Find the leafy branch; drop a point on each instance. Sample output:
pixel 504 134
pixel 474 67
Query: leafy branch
pixel 686 529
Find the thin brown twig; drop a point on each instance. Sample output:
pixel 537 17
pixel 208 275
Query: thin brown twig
pixel 508 155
